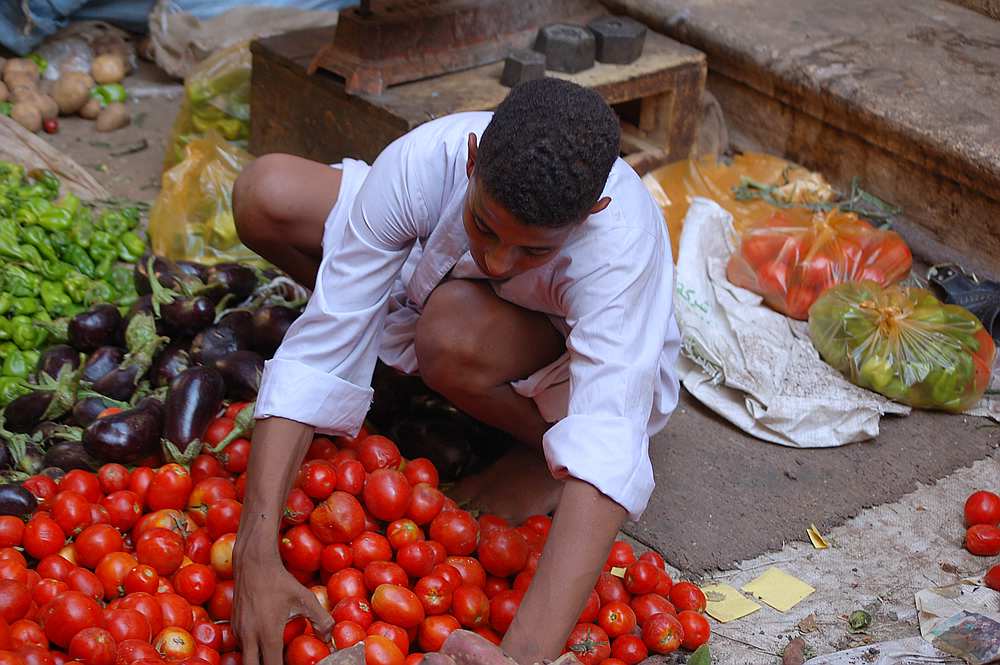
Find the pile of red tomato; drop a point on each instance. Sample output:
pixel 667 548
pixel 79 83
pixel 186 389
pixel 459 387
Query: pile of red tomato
pixel 135 567
pixel 982 538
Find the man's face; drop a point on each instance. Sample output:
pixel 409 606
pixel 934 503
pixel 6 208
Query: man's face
pixel 501 245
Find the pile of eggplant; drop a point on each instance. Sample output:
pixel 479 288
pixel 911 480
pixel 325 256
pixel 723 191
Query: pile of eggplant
pixel 160 371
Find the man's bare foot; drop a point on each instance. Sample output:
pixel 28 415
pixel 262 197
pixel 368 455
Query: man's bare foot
pixel 516 487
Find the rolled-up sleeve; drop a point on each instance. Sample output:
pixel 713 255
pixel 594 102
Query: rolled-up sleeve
pixel 619 316
pixel 321 374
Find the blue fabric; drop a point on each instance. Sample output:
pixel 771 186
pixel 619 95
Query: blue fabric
pixel 46 17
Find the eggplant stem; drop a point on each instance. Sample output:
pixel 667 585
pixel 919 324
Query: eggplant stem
pixel 111 402
pixel 173 454
pixel 243 425
pixel 161 294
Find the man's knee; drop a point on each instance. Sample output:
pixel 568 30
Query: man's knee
pixel 257 196
pixel 448 342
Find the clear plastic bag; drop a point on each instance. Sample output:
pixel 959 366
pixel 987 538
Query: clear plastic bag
pixel 216 99
pixel 192 218
pixel 905 344
pixel 794 255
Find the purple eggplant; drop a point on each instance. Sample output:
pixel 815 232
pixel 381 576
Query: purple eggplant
pixel 16 501
pixel 193 269
pixel 55 358
pixel 270 324
pixel 188 316
pixel 168 274
pixel 86 410
pixel 102 362
pixel 120 383
pixel 24 413
pixel 69 455
pixel 240 321
pixel 169 364
pixel 241 371
pixel 124 437
pixel 6 460
pixel 231 279
pixel 216 342
pixel 192 403
pixel 94 328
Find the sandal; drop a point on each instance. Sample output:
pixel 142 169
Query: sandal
pixel 981 297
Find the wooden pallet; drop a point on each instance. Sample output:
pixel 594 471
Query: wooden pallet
pixel 658 98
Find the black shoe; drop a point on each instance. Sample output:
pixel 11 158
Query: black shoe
pixel 981 297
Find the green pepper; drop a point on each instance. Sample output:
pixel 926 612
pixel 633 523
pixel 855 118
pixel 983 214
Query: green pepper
pixel 113 222
pixel 101 240
pixel 5 329
pixel 79 258
pixel 98 292
pixel 55 271
pixel 76 285
pixel 11 387
pixel 121 279
pixel 109 93
pixel 32 357
pixel 105 264
pixel 6 300
pixel 25 306
pixel 877 372
pixel 5 108
pixel 48 180
pixel 26 334
pixel 19 282
pixel 131 215
pixel 81 233
pixel 70 202
pixel 59 242
pixel 15 364
pixel 36 237
pixel 56 220
pixel 6 348
pixel 55 299
pixel 131 247
pixel 31 257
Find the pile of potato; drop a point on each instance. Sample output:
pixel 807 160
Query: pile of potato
pixel 37 104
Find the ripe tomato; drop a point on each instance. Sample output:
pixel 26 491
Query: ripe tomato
pixel 206 493
pixel 67 615
pixel 654 558
pixel 381 650
pixel 403 532
pixel 696 629
pixel 131 651
pixel 113 570
pixel 992 578
pixel 641 577
pixel 368 547
pixel 176 611
pixel 346 583
pixel 630 649
pixel 297 508
pixel 11 658
pixel 42 536
pixel 421 470
pixel 27 633
pixel 650 604
pixel 231 658
pixel 95 542
pixel 416 559
pixel 221 555
pixel 590 609
pixel 503 607
pixel 170 488
pixel 981 508
pixel 306 650
pixel 83 482
pixel 611 589
pixel 457 531
pixel 426 503
pixel 503 553
pixel 54 567
pixel 141 578
pixel 621 555
pixel 206 466
pixel 169 519
pixel 11 531
pixel 664 583
pixel 378 452
pixel 33 655
pixel 209 634
pixel 147 605
pixel 397 605
pixel 471 606
pixel 347 634
pixel 126 624
pixel 174 643
pixel 351 477
pixel 236 456
pixel 160 548
pixel 220 607
pixel 435 594
pixel 99 514
pixel 317 479
pixel 84 581
pixel 981 540
pixel 686 596
pixel 589 643
pixel 469 569
pixel 495 585
pixel 387 495
pixel 203 656
pixel 218 430
pixel 489 524
pixel 662 633
pixel 124 509
pixel 336 557
pixel 195 583
pixel 616 619
pixel 15 600
pixel 47 590
pixel 434 631
pixel 338 519
pixel 15 571
pixel 70 510
pixel 355 609
pixel 489 635
pixel 378 573
pixel 397 635
pixel 449 573
pixel 43 487
pixel 198 547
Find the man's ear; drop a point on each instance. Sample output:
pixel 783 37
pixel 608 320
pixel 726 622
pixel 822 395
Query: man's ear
pixel 470 163
pixel 600 205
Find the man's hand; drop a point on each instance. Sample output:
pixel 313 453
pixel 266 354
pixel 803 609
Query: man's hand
pixel 467 648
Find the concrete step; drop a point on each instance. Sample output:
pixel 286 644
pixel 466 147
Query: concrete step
pixel 902 93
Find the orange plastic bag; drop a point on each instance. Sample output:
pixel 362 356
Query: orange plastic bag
pixel 793 256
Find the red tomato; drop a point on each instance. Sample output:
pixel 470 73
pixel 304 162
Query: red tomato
pixel 95 542
pixel 125 624
pixel 489 524
pixel 654 558
pixel 84 581
pixel 139 480
pixel 417 658
pixel 297 508
pixel 503 607
pixel 112 478
pixel 161 549
pixel 147 606
pixel 11 658
pixel 300 549
pixel 630 649
pixel 42 487
pixel 47 590
pixel 113 570
pixel 218 430
pixel 321 448
pixel 695 629
pixel 42 536
pixel 686 596
pixel 403 532
pixel 231 658
pixel 616 619
pixel 981 508
pixel 14 570
pixel 336 557
pixel 317 479
pixel 124 509
pixel 664 583
pixel 207 493
pixel 206 466
pixel 355 609
pixel 378 573
pixel 338 519
pixel 141 578
pixel 489 635
pixel 370 547
pixel 471 606
pixel 15 600
pixel 417 559
pixel 71 511
pixel 449 573
pixel 220 607
pixel 67 615
pixel 351 477
pixel 174 643
pixel 396 634
pixel 345 583
pixel 170 488
pixel 662 633
pixel 209 634
pixel 470 570
pixel 992 578
pixel 381 650
pixel 641 577
pixel 27 633
pixel 495 585
pixel 621 555
pixel 131 651
pixel 387 495
pixel 435 594
pixel 33 655
pixel 170 519
pixel 198 547
pixel 397 605
pixel 650 604
pixel 195 583
pixel 434 631
pixel 83 482
pixel 221 555
pixel 611 588
pixel 378 452
pixel 503 553
pixel 980 539
pixel 590 609
pixel 426 503
pixel 457 531
pixel 176 611
pixel 236 456
pixel 306 650
pixel 99 514
pixel 54 567
pixel 11 531
pixel 203 656
pixel 589 644
pixel 421 470
pixel 347 634
pixel 234 409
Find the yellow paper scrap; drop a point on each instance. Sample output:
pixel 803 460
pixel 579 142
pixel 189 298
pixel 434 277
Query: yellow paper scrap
pixel 778 589
pixel 818 541
pixel 618 572
pixel 726 604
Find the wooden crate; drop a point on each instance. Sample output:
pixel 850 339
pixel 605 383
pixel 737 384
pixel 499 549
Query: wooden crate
pixel 658 98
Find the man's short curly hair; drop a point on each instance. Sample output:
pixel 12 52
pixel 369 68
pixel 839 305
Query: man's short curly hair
pixel 547 152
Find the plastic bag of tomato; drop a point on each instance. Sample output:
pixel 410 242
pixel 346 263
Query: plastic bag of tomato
pixel 795 255
pixel 134 566
pixel 905 344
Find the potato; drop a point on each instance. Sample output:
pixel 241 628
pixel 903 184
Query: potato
pixel 72 91
pixel 4 92
pixel 20 80
pixel 22 91
pixel 91 109
pixel 27 115
pixel 113 116
pixel 107 68
pixel 45 105
pixel 20 66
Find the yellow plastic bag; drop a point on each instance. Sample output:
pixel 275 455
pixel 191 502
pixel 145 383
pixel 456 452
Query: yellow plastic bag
pixel 216 98
pixel 192 219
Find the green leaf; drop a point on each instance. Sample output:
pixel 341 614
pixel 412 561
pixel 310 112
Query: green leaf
pixel 702 656
pixel 859 621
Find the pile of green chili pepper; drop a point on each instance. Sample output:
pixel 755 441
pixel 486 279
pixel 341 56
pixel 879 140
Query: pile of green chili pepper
pixel 58 257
